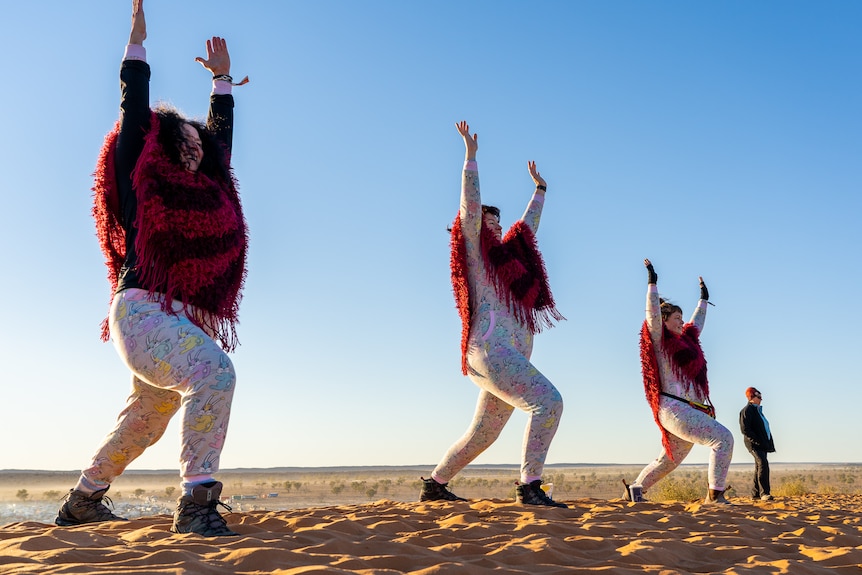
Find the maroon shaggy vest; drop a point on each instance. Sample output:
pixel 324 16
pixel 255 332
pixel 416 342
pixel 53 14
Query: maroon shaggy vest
pixel 192 237
pixel 517 272
pixel 687 362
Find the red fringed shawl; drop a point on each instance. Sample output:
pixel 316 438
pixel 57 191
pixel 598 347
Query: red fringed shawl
pixel 687 362
pixel 517 272
pixel 192 237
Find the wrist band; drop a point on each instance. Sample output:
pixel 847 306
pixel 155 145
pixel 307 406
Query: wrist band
pixel 229 79
pixel 543 188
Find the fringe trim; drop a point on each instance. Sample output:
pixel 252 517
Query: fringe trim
pixel 192 237
pixel 687 362
pixel 515 269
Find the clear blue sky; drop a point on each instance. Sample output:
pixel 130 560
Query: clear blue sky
pixel 721 139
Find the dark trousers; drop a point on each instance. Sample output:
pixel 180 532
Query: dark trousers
pixel 761 473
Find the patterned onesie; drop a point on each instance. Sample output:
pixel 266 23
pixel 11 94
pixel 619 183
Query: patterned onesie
pixel 685 424
pixel 499 358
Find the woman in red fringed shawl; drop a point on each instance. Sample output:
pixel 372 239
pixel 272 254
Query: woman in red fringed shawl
pixel 502 295
pixel 677 389
pixel 171 226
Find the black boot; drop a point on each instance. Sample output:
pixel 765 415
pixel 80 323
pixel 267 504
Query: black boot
pixel 197 513
pixel 533 494
pixel 81 507
pixel 433 491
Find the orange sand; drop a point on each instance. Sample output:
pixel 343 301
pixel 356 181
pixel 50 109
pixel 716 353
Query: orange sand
pixel 806 535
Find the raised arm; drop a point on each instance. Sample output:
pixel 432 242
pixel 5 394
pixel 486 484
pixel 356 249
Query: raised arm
pixel 533 213
pixel 698 317
pixel 653 303
pixel 134 104
pixel 471 200
pixel 135 78
pixel 220 116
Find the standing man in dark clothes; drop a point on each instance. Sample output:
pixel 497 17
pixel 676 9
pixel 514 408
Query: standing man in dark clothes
pixel 758 440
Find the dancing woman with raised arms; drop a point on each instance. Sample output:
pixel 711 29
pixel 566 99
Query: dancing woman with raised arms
pixel 503 298
pixel 171 226
pixel 677 389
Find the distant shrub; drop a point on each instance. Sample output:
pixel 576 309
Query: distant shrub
pixel 792 488
pixel 52 494
pixel 683 488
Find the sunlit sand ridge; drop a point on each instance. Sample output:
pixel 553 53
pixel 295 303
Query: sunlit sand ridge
pixel 798 535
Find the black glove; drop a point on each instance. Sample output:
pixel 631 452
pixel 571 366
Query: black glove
pixel 704 293
pixel 652 276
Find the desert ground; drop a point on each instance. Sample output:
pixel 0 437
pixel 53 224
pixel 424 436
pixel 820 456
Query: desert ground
pixel 369 521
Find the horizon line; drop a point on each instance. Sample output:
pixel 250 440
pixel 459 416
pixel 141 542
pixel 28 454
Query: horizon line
pixel 286 468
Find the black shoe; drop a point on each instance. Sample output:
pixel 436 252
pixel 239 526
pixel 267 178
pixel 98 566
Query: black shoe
pixel 81 508
pixel 533 494
pixel 197 513
pixel 433 491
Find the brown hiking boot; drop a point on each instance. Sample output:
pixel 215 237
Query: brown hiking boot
pixel 81 508
pixel 197 513
pixel 716 497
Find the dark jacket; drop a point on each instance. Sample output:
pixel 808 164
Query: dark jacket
pixel 754 431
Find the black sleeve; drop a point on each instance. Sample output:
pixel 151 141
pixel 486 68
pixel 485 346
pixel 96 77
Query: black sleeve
pixel 745 422
pixel 134 123
pixel 220 119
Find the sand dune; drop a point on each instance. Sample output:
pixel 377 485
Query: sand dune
pixel 811 534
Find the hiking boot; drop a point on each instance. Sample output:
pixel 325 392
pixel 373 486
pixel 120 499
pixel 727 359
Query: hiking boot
pixel 716 497
pixel 533 494
pixel 433 491
pixel 81 507
pixel 197 513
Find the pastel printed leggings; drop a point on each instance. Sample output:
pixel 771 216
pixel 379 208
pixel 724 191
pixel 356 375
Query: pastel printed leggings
pixel 507 380
pixel 175 366
pixel 688 426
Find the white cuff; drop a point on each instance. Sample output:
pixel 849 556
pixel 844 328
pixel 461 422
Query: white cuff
pixel 135 52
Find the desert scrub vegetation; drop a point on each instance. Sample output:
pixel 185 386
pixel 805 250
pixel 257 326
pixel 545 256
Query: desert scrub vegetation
pixel 687 486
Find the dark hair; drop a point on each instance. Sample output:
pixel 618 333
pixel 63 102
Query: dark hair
pixel 171 137
pixel 667 309
pixel 493 210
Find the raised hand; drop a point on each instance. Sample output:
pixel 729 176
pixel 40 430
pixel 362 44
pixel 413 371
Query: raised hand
pixel 470 142
pixel 218 58
pixel 652 277
pixel 139 24
pixel 537 177
pixel 704 293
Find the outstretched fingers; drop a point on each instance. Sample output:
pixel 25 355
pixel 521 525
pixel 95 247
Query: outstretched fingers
pixel 534 173
pixel 470 142
pixel 218 57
